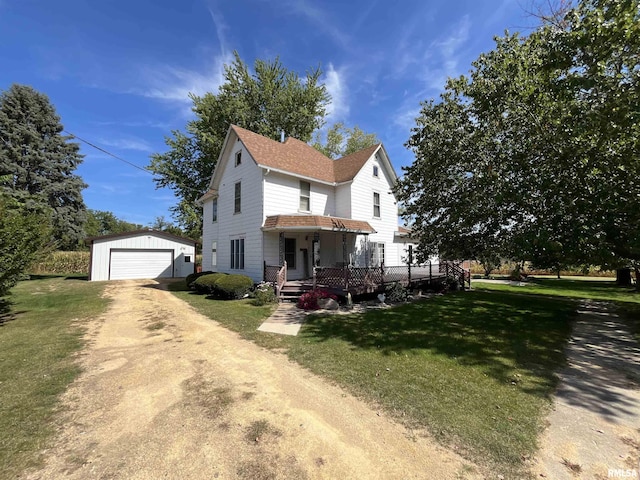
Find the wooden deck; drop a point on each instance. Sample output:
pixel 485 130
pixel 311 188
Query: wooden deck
pixel 362 280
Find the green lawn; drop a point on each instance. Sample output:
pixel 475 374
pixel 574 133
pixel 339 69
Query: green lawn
pixel 38 339
pixel 625 299
pixel 475 369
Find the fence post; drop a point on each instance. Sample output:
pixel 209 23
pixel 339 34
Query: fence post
pixel 264 271
pixel 314 277
pixel 382 273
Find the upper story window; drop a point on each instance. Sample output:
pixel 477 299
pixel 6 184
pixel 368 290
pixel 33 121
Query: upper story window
pixel 375 171
pixel 214 210
pixel 237 206
pixel 376 205
pixel 305 196
pixel 238 157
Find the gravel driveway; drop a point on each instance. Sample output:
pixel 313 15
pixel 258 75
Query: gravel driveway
pixel 168 393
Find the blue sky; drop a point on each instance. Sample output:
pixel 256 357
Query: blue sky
pixel 119 72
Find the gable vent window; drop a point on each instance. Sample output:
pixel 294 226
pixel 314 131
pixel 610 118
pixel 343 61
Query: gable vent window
pixel 305 196
pixel 238 157
pixel 376 205
pixel 238 198
pixel 375 171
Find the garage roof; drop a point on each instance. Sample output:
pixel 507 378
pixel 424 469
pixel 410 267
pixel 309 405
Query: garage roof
pixel 157 233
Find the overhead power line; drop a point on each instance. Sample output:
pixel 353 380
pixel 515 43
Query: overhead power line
pixel 108 153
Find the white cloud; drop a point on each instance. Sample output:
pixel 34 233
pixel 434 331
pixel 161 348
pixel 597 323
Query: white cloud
pixel 175 84
pixel 335 81
pixel 447 55
pixel 318 17
pixel 127 144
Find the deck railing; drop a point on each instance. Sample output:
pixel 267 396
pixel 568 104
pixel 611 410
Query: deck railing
pixel 370 278
pixel 276 274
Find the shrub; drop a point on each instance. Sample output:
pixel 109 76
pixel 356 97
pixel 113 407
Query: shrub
pixel 233 286
pixel 396 293
pixel 263 294
pixel 207 283
pixel 192 277
pixel 309 300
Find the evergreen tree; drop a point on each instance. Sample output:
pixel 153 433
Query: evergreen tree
pixel 37 162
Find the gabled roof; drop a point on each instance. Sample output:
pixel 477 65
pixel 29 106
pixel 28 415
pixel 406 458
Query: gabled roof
pixel 315 223
pixel 298 158
pixel 133 233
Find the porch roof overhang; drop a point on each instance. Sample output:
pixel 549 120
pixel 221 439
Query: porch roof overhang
pixel 315 223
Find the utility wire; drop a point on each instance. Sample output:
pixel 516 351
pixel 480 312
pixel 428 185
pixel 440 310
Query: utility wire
pixel 125 161
pixel 108 153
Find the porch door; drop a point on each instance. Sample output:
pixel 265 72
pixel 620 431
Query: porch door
pixel 290 253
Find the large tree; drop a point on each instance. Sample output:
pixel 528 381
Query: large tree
pixel 341 141
pixel 37 162
pixel 536 152
pixel 268 101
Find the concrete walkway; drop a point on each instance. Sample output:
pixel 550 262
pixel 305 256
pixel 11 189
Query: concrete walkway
pixel 594 428
pixel 286 320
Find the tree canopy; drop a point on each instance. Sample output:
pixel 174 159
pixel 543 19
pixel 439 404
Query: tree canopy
pixel 100 222
pixel 342 141
pixel 37 162
pixel 535 153
pixel 267 101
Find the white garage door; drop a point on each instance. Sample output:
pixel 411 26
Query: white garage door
pixel 129 264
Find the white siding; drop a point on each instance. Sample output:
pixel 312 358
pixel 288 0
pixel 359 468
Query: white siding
pixel 142 241
pixel 362 189
pixel 343 200
pixel 230 225
pixel 282 196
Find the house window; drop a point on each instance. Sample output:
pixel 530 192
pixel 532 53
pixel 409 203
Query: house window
pixel 305 196
pixel 376 253
pixel 375 170
pixel 237 254
pixel 376 205
pixel 238 196
pixel 238 157
pixel 187 259
pixel 214 254
pixel 214 210
pixel 290 253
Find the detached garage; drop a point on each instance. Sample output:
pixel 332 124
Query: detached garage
pixel 141 254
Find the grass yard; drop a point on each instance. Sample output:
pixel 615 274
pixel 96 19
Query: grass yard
pixel 38 339
pixel 625 299
pixel 475 369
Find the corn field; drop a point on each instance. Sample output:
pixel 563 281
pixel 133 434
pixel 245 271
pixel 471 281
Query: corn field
pixel 61 263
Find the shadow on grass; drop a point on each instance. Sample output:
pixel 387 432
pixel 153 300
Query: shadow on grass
pixel 604 365
pixel 497 331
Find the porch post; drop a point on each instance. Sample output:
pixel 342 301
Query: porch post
pixel 410 261
pixel 344 249
pixel 281 249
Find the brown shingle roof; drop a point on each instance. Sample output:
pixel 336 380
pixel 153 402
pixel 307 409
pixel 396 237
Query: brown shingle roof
pixel 297 157
pixel 316 222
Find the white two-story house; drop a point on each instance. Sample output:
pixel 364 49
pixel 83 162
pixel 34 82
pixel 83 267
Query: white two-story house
pixel 273 202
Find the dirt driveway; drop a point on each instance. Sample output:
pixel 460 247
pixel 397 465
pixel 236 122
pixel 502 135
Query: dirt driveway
pixel 167 393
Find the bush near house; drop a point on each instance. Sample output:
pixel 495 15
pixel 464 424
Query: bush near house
pixel 205 283
pixel 224 285
pixel 264 294
pixel 192 277
pixel 234 286
pixel 309 300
